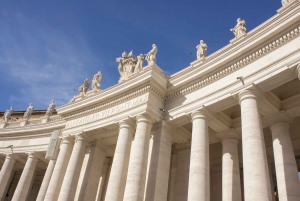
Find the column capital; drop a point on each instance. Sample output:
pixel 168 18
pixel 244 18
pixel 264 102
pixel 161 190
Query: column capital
pixel 67 139
pixel 298 71
pixel 248 94
pixel 33 155
pixel 228 134
pixel 144 118
pixel 280 118
pixel 127 123
pixel 11 156
pixel 200 114
pixel 82 137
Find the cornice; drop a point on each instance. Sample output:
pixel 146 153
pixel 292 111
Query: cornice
pixel 293 33
pixel 260 30
pixel 148 73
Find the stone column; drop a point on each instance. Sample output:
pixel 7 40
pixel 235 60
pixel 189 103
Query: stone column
pixel 285 162
pixel 25 181
pixel 255 164
pixel 118 173
pixel 136 177
pixel 298 71
pixel 46 180
pixel 159 169
pixel 68 189
pixel 6 172
pixel 172 179
pixel 59 169
pixel 199 164
pixel 89 187
pixel 231 183
pixel 216 183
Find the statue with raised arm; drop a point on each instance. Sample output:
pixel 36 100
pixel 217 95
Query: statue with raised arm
pixel 201 50
pixel 139 64
pixel 96 82
pixel 28 112
pixel 50 109
pixel 151 56
pixel 7 114
pixel 240 28
pixel 84 87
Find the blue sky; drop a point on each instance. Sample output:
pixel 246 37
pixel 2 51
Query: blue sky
pixel 47 48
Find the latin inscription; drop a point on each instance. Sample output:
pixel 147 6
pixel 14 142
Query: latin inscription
pixel 109 112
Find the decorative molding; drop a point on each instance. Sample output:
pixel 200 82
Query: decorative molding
pixel 237 65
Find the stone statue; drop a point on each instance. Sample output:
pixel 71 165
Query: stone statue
pixel 139 64
pixel 285 2
pixel 84 87
pixel 73 99
pixel 151 56
pixel 201 50
pixel 28 112
pixel 240 28
pixel 50 109
pixel 129 65
pixel 7 114
pixel 96 82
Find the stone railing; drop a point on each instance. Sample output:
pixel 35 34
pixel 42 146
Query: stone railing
pixel 33 122
pixel 13 124
pixel 55 118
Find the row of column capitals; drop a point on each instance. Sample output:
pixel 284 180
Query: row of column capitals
pixel 200 114
pixel 229 134
pixel 281 117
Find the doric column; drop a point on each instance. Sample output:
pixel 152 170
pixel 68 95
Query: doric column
pixel 298 71
pixel 231 183
pixel 6 172
pixel 24 184
pixel 68 189
pixel 59 169
pixel 285 162
pixel 136 177
pixel 199 164
pixel 118 173
pixel 216 183
pixel 256 174
pixel 46 180
pixel 172 179
pixel 89 187
pixel 159 164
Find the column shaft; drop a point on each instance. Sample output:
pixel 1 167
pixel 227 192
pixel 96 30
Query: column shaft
pixel 256 174
pixel 199 164
pixel 59 169
pixel 135 184
pixel 25 181
pixel 285 163
pixel 6 172
pixel 93 171
pixel 46 180
pixel 68 189
pixel 231 183
pixel 118 174
pixel 159 169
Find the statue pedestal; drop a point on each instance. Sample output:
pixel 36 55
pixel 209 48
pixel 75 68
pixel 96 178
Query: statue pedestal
pixel 238 38
pixel 23 122
pixel 3 124
pixel 283 8
pixel 44 119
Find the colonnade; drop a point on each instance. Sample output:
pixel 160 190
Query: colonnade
pixel 138 174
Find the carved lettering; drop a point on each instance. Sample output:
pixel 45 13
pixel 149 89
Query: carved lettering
pixel 108 112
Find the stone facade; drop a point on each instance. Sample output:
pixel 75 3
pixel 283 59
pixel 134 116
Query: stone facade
pixel 226 128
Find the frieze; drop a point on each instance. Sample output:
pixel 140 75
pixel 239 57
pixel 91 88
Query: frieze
pixel 109 112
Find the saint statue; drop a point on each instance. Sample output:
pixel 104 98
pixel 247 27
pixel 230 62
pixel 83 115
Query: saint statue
pixel 96 82
pixel 201 50
pixel 240 28
pixel 84 87
pixel 50 109
pixel 151 56
pixel 139 64
pixel 285 2
pixel 28 112
pixel 7 114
